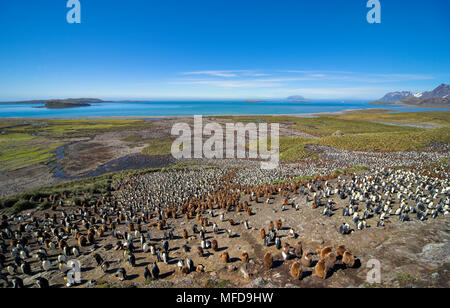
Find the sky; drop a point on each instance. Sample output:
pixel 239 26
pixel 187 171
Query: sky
pixel 221 49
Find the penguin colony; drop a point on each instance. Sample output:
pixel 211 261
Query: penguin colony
pixel 32 245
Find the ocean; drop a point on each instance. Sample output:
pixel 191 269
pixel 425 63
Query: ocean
pixel 187 108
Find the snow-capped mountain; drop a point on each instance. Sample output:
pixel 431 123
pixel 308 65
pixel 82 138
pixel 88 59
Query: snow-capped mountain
pixel 437 97
pixel 395 96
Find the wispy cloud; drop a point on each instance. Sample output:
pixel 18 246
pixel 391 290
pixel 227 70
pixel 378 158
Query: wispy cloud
pixel 309 83
pixel 227 74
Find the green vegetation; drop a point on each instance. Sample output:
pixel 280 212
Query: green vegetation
pixel 357 131
pixel 158 147
pixel 21 150
pixel 73 128
pixel 23 143
pixel 61 104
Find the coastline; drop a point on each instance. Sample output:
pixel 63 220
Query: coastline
pixel 300 115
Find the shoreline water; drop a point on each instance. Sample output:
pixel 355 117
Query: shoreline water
pixel 398 108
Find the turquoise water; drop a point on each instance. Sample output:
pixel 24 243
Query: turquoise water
pixel 177 108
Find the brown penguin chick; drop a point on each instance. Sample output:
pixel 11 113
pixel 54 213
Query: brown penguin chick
pixel 324 251
pixel 296 270
pixel 200 251
pixel 91 238
pixel 185 270
pixel 184 234
pixel 348 259
pixel 13 243
pixel 340 250
pixel 160 225
pixel 131 227
pixel 321 269
pixel 244 257
pixel 268 260
pixel 121 217
pixel 299 250
pixel 262 233
pixel 231 221
pixel 82 241
pixel 271 226
pixel 249 212
pixel 330 260
pixel 278 224
pixel 225 257
pixel 61 244
pixel 306 259
pixel 214 245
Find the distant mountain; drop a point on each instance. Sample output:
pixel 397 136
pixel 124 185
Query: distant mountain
pixel 395 96
pixel 442 91
pixel 439 97
pixel 296 98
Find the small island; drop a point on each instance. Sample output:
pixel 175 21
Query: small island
pixel 68 103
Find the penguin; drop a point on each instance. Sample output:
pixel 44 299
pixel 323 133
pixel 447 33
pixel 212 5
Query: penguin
pixel 42 283
pixel 340 250
pixel 98 259
pixel 62 258
pixel 165 245
pixel 12 269
pixel 266 241
pixel 330 261
pixel 184 234
pixel 344 229
pixel 75 252
pixel 306 259
pixel 296 270
pixel 320 269
pixel 244 257
pixel 145 248
pixel 155 271
pixel 25 267
pixel 348 259
pixel 278 224
pixel 324 251
pixel 165 257
pixel 214 245
pixel 185 248
pixel 46 265
pixel 131 260
pixel 278 243
pixel 189 264
pixel 298 250
pixel 268 260
pixel 121 273
pixel 180 265
pixel 200 251
pixel 285 252
pixel 225 257
pixel 262 233
pixel 246 225
pixel 147 274
pixel 17 283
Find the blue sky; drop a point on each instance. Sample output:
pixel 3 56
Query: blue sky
pixel 145 49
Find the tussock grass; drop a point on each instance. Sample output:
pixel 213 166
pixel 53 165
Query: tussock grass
pixel 158 147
